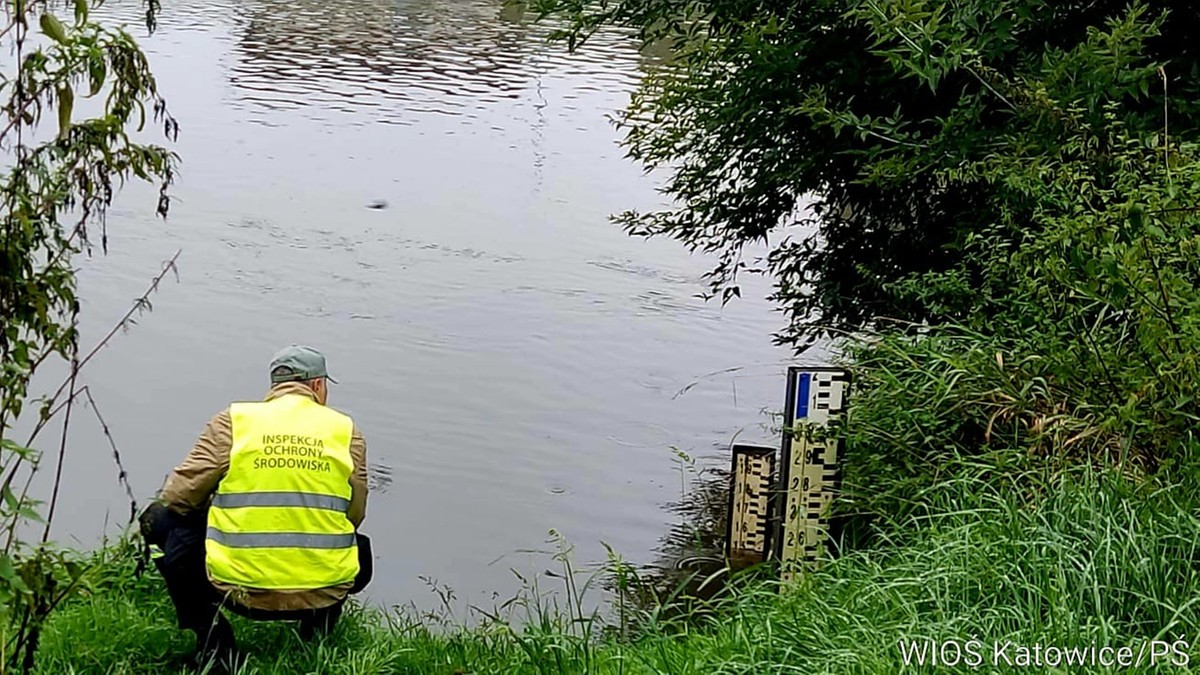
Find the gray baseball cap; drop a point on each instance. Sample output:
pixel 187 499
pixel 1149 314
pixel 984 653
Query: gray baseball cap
pixel 297 362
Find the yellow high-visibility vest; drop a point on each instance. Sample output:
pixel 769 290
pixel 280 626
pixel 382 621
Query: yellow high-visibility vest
pixel 278 519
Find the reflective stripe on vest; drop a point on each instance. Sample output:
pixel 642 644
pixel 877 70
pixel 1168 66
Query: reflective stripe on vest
pixel 278 520
pixel 233 501
pixel 280 539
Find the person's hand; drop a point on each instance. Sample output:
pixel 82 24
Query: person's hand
pixel 154 523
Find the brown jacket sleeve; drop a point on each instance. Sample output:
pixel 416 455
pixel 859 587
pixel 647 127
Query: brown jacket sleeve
pixel 358 480
pixel 192 483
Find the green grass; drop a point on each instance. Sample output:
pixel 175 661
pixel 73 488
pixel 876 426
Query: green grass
pixel 1095 561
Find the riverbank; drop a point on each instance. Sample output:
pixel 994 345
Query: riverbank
pixel 1095 565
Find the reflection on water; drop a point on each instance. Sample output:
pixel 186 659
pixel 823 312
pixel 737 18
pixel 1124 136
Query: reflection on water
pixel 690 563
pixel 396 59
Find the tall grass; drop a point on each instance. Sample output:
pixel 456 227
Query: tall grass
pixel 1099 560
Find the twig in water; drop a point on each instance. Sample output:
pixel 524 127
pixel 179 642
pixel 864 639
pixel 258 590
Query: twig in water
pixel 693 384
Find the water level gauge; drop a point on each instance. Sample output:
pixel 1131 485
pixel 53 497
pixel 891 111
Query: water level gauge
pixel 810 460
pixel 749 534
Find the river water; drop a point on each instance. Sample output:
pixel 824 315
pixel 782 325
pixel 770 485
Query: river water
pixel 516 362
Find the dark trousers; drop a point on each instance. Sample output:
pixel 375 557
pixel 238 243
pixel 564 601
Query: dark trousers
pixel 198 603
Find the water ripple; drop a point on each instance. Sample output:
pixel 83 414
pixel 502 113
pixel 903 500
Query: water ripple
pixel 398 59
pixel 379 475
pixel 388 60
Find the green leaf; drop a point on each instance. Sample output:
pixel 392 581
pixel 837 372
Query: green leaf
pixel 66 103
pixel 53 28
pixel 19 584
pixel 8 574
pixel 1137 216
pixel 97 72
pixel 74 569
pixel 81 12
pixel 17 449
pixel 10 500
pixel 31 514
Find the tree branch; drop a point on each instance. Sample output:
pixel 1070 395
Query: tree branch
pixel 122 475
pixel 140 304
pixel 62 446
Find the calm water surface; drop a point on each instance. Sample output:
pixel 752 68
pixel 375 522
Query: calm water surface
pixel 514 360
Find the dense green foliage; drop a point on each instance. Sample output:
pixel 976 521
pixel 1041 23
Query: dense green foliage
pixel 886 115
pixel 1071 327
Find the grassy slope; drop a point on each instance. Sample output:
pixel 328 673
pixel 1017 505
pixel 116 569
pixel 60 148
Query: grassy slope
pixel 1089 565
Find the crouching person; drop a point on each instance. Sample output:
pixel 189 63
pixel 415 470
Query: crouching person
pixel 262 516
